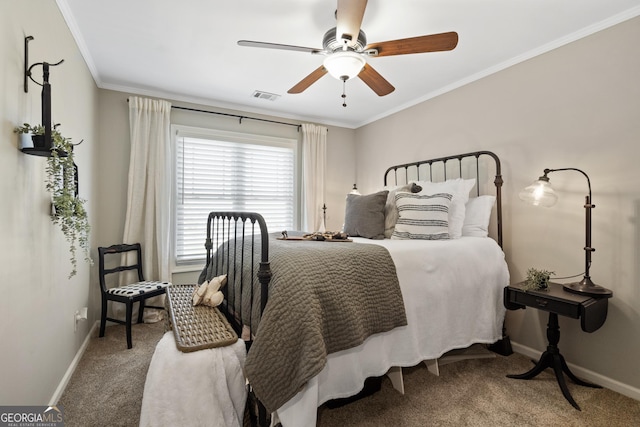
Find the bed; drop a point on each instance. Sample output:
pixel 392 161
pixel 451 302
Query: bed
pixel 320 317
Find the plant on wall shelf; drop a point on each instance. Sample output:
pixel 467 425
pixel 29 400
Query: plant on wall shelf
pixel 68 209
pixel 28 131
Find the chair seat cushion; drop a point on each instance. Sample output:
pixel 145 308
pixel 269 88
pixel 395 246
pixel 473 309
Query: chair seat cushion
pixel 138 288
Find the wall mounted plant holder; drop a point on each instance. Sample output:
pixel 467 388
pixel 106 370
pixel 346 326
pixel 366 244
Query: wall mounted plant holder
pixel 40 148
pixel 32 141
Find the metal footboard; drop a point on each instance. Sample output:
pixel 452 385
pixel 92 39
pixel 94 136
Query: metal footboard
pixel 238 245
pixel 234 242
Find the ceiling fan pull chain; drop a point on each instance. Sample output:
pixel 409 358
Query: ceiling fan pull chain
pixel 344 95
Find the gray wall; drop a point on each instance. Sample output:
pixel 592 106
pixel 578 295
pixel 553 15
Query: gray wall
pixel 38 300
pixel 576 106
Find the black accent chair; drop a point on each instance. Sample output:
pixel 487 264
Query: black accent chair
pixel 126 294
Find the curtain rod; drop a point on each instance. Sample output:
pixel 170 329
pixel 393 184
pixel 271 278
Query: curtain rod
pixel 237 116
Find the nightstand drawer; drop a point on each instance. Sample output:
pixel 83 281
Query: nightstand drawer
pixel 546 303
pixel 555 300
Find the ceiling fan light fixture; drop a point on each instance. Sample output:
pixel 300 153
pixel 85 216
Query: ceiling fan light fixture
pixel 344 63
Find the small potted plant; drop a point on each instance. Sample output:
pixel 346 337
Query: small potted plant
pixel 537 279
pixel 33 137
pixel 25 135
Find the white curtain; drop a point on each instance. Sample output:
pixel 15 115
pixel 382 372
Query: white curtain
pixel 149 192
pixel 314 164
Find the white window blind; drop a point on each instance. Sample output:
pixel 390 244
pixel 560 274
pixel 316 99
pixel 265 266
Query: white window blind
pixel 225 171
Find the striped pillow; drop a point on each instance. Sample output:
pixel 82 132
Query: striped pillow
pixel 422 216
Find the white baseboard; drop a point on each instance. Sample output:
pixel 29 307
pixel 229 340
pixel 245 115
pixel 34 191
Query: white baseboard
pixel 72 367
pixel 584 374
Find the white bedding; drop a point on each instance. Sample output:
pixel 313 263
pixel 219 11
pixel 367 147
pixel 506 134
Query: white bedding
pixel 452 292
pixel 202 388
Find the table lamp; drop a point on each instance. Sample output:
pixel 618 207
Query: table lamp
pixel 540 193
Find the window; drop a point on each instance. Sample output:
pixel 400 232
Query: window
pixel 228 171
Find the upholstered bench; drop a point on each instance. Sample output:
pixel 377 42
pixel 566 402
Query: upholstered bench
pixel 195 376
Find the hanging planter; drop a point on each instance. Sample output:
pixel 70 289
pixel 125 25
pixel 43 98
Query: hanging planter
pixel 67 209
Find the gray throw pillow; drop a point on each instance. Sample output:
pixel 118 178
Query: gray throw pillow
pixel 364 215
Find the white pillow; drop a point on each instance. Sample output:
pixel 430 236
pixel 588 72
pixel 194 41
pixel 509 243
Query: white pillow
pixel 459 188
pixel 390 211
pixel 422 216
pixel 477 216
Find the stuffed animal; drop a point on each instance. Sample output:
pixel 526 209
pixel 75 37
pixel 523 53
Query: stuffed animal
pixel 209 292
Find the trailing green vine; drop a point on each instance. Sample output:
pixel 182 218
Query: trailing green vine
pixel 68 210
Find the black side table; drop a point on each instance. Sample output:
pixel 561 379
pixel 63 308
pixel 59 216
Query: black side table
pixel 591 311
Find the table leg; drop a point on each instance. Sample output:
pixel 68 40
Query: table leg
pixel 557 368
pixel 552 358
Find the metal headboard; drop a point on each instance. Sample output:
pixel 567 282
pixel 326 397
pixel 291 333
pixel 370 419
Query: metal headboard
pixel 416 171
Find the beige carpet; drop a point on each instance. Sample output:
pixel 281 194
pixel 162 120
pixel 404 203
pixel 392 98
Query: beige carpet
pixel 106 390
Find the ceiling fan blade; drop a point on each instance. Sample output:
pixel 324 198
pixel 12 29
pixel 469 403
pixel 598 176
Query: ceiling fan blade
pixel 349 20
pixel 431 43
pixel 375 81
pixel 309 80
pixel 250 43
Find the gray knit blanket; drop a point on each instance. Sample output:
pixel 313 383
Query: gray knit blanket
pixel 323 297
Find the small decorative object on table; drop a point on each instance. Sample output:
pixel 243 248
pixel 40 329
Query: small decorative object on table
pixel 537 279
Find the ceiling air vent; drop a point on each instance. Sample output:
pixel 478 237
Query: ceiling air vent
pixel 265 95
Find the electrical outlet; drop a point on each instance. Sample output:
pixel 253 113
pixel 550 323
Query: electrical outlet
pixel 79 315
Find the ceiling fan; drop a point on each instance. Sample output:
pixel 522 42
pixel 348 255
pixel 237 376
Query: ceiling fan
pixel 346 50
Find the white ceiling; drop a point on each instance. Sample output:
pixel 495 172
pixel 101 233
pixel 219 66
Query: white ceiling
pixel 187 50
